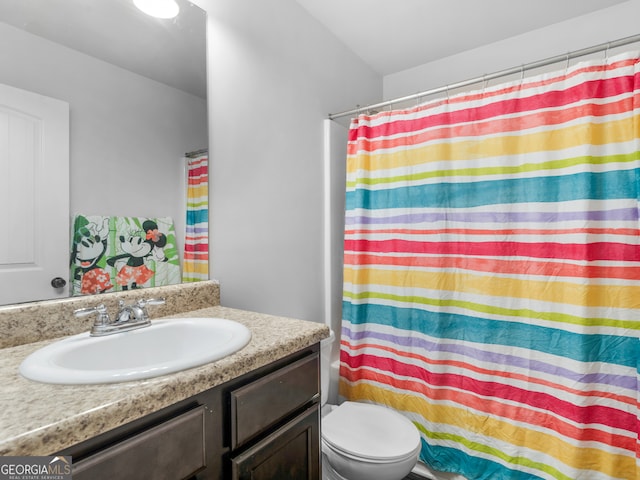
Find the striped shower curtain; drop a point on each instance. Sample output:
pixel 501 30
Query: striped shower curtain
pixel 195 265
pixel 492 274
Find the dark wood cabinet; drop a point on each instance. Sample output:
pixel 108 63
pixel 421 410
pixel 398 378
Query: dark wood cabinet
pixel 291 453
pixel 149 454
pixel 262 425
pixel 265 402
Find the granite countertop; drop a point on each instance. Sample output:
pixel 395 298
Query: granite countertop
pixel 40 419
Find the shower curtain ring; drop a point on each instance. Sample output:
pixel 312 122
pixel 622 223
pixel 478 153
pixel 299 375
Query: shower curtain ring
pixel 606 52
pixel 566 67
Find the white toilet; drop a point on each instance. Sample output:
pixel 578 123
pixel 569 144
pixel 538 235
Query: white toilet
pixel 361 441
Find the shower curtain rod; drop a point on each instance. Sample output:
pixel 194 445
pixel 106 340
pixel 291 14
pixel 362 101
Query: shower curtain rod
pixel 196 153
pixel 502 73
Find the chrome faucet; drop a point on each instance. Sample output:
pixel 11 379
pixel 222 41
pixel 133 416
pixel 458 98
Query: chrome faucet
pixel 129 317
pixel 130 313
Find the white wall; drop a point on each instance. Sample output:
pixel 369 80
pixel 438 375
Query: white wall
pixel 127 133
pixel 585 31
pixel 274 75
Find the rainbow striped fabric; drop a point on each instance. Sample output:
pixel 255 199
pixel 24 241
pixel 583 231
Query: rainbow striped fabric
pixel 492 274
pixel 195 265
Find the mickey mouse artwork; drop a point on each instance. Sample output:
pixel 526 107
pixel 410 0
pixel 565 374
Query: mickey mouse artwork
pixel 122 253
pixel 89 247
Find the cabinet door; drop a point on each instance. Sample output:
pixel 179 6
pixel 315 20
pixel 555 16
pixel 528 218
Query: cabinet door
pixel 291 452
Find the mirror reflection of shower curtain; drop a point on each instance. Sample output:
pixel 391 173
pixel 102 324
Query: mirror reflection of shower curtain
pixel 195 266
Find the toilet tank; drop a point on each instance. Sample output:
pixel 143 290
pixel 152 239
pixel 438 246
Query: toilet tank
pixel 325 366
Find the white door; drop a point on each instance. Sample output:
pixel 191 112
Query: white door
pixel 34 196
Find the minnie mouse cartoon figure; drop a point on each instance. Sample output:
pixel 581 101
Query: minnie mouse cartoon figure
pixel 134 271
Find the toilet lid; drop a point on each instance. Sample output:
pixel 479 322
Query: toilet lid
pixel 370 432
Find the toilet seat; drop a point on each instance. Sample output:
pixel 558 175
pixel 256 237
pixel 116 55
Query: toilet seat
pixel 370 432
pixel 327 448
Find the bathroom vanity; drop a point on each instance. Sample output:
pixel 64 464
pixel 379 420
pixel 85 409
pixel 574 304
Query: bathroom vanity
pixel 253 414
pixel 264 424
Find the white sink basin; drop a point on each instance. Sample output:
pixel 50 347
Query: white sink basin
pixel 166 346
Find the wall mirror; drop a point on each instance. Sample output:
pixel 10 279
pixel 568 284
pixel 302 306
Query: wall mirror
pixel 136 90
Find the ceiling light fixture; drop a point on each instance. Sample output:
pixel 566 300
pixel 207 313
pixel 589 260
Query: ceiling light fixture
pixel 158 8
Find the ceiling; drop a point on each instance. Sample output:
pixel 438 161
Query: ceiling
pixel 169 51
pixel 394 35
pixel 389 35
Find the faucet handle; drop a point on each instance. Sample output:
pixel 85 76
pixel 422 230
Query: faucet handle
pixel 143 304
pixel 151 301
pixel 100 310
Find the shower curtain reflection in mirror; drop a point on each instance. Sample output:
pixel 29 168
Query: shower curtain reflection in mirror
pixel 195 266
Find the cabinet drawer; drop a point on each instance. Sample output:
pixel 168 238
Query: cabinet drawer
pixel 173 450
pixel 262 403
